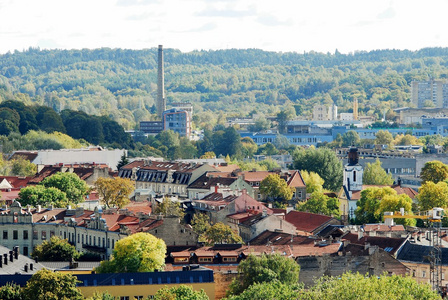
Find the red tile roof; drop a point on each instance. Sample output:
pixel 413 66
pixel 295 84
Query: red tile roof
pixel 383 227
pixel 28 155
pixel 16 181
pixel 296 180
pixel 305 221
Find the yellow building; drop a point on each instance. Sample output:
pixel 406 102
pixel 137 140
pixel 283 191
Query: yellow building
pixel 129 286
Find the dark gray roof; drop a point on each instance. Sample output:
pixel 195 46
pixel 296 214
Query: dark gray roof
pixel 17 265
pixel 419 254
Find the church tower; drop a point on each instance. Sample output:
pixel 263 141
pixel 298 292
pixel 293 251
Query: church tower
pixel 353 171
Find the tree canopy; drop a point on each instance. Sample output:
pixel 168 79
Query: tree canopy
pixel 377 200
pixel 322 161
pixel 114 192
pixel 74 187
pixel 434 171
pixel 181 292
pixel 40 195
pixel 276 188
pixel 432 195
pixel 46 284
pixel 319 203
pixel 140 252
pixel 56 249
pixel 265 268
pixel 220 233
pixel 374 174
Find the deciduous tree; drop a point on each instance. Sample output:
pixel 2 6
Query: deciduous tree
pixel 318 203
pixel 220 234
pixel 375 201
pixel 275 188
pixel 384 137
pixel 114 192
pixel 432 195
pixel 374 174
pixel 274 290
pixel 74 187
pixel 360 287
pixel 322 161
pixel 56 249
pixel 434 171
pixel 200 223
pixel 169 208
pixel 265 268
pixel 11 291
pixel 40 195
pixel 313 182
pixel 140 252
pixel 46 284
pixel 181 292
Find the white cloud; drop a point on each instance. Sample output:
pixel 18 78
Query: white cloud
pixel 282 25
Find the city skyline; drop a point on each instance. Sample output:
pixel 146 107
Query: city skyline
pixel 282 26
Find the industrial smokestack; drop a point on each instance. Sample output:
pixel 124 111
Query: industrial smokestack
pixel 161 105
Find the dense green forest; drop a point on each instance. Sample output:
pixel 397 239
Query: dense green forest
pixel 121 84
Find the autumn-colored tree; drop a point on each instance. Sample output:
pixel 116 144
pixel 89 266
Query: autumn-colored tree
pixel 275 188
pixel 183 292
pixel 114 192
pixel 56 249
pixel 140 252
pixel 374 174
pixel 384 137
pixel 375 201
pixel 434 171
pixel 406 140
pixel 432 195
pixel 208 155
pixel 313 182
pixel 74 187
pixel 220 234
pixel 46 284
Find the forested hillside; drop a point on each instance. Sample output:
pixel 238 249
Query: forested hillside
pixel 121 83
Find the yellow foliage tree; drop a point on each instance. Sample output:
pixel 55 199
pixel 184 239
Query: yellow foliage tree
pixel 140 252
pixel 114 191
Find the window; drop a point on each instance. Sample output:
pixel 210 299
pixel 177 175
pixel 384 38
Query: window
pixel 25 251
pixel 229 259
pixel 35 235
pixel 5 234
pixel 423 274
pixel 138 297
pixel 51 233
pixel 205 259
pixel 25 234
pixel 44 235
pixel 15 234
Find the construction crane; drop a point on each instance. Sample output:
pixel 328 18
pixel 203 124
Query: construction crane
pixel 434 217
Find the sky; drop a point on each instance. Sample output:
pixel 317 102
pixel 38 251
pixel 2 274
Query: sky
pixel 187 25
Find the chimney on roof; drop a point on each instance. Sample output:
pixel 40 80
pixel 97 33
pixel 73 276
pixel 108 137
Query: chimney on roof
pixel 39 208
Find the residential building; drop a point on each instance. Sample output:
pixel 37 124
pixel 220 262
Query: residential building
pixel 134 285
pixel 434 92
pixel 178 121
pixel 151 127
pixel 89 231
pixel 325 112
pixel 164 178
pixel 218 207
